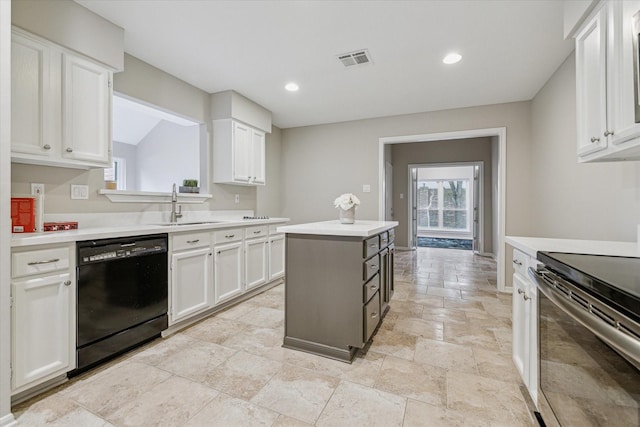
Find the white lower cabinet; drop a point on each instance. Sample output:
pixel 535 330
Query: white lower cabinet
pixel 525 323
pixel 228 281
pixel 256 256
pixel 192 281
pixel 43 292
pixel 276 256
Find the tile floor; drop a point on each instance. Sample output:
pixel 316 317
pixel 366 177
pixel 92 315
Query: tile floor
pixel 442 357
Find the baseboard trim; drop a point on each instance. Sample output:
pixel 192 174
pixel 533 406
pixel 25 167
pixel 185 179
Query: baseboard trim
pixel 8 420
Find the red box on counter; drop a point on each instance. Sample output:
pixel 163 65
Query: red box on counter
pixel 60 226
pixel 23 215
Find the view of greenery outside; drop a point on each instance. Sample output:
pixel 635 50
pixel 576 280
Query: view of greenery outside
pixel 442 205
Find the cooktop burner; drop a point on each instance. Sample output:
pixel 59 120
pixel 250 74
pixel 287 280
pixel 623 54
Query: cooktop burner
pixel 255 217
pixel 615 278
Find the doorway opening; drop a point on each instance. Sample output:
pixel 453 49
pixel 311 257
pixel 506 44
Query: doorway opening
pixel 496 186
pixel 446 206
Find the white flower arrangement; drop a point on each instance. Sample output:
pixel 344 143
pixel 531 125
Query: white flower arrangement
pixel 346 201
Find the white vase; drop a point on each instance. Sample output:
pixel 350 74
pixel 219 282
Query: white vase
pixel 348 216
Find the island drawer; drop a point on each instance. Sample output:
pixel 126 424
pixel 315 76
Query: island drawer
pixel 39 261
pixel 190 240
pixel 392 235
pixel 255 232
pixel 230 235
pixel 370 267
pixel 371 287
pixel 371 246
pixel 520 262
pixel 371 316
pixel 384 239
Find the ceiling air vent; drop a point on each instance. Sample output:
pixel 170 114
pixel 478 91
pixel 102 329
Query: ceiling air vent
pixel 358 57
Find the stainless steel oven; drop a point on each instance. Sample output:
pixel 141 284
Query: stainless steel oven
pixel 589 339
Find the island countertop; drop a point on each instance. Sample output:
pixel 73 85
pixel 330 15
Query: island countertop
pixel 361 228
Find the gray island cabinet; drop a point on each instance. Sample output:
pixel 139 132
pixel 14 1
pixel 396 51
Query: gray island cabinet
pixel 339 283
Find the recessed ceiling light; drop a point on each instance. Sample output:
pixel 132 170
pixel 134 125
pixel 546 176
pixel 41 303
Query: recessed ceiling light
pixel 452 58
pixel 291 87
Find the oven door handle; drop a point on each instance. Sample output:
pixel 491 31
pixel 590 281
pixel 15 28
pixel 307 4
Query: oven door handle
pixel 624 344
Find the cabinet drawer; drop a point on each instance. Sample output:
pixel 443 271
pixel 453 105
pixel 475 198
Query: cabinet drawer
pixel 520 262
pixel 384 239
pixel 371 287
pixel 39 261
pixel 371 246
pixel 253 232
pixel 370 267
pixel 190 240
pixel 230 235
pixel 273 229
pixel 392 235
pixel 371 316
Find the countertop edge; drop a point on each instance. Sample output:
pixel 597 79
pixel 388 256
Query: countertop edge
pixel 333 228
pixel 532 245
pixel 52 237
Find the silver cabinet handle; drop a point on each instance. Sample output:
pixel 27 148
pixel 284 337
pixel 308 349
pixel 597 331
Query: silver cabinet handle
pixel 594 139
pixel 608 132
pixel 46 147
pixel 520 291
pixel 516 262
pixel 229 236
pixel 373 266
pixel 125 245
pixel 49 261
pixel 257 232
pixel 373 287
pixel 69 149
pixel 67 283
pixel 373 245
pixel 526 298
pixel 193 241
pixel 374 314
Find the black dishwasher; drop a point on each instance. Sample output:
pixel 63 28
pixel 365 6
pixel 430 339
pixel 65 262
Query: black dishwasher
pixel 122 296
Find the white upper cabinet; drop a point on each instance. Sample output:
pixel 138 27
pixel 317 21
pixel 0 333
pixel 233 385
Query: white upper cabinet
pixel 607 95
pixel 86 130
pixel 61 106
pixel 238 153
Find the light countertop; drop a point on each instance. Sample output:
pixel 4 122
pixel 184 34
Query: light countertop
pixel 532 245
pixel 30 239
pixel 361 228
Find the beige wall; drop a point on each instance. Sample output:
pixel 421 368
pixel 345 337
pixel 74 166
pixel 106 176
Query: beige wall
pixel 570 200
pixel 321 162
pixel 268 197
pixel 68 24
pixel 458 150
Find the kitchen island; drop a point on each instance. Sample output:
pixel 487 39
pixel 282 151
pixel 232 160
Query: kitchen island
pixel 339 283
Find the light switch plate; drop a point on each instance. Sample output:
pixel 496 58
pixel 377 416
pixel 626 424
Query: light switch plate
pixel 237 198
pixel 79 192
pixel 366 188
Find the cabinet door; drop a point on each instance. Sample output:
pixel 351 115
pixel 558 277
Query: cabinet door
pixel 258 157
pixel 591 85
pixel 43 328
pixel 521 324
pixel 241 149
pixel 276 257
pixel 255 262
pixel 191 282
pixel 228 271
pixel 31 98
pixel 86 125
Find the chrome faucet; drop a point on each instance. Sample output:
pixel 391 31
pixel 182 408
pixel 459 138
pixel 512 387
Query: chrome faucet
pixel 174 200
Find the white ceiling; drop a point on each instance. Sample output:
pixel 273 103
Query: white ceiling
pixel 509 49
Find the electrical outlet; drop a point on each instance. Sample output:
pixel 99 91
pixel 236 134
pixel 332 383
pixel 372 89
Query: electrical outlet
pixel 366 188
pixel 37 188
pixel 237 198
pixel 79 192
